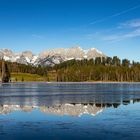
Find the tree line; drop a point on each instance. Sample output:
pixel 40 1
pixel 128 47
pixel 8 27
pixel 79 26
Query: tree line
pixel 98 69
pixel 14 67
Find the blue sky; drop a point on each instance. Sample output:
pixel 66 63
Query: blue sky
pixel 112 26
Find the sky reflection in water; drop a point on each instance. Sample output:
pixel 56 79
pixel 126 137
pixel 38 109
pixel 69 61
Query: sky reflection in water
pixel 69 111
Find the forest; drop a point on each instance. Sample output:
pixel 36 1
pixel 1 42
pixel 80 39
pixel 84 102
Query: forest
pixel 22 68
pixel 98 69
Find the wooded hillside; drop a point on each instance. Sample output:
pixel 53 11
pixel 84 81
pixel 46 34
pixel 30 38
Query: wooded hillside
pixel 98 69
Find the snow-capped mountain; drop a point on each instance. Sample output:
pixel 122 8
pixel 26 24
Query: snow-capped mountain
pixel 50 57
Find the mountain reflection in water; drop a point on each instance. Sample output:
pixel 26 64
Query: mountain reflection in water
pixel 72 109
pixel 59 111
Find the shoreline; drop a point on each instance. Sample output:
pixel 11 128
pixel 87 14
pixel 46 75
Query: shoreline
pixel 85 82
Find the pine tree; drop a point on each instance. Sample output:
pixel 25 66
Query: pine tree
pixel 5 73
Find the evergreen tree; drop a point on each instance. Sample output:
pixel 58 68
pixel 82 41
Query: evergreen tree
pixel 5 73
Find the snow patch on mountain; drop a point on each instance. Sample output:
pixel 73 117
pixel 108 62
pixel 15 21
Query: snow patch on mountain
pixel 50 57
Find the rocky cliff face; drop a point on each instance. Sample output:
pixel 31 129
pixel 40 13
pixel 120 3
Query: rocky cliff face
pixel 50 57
pixel 73 53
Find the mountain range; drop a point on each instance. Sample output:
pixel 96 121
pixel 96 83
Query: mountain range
pixel 50 57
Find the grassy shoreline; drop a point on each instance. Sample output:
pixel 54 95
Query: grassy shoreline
pixel 26 77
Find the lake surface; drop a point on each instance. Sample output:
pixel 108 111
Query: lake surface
pixel 65 111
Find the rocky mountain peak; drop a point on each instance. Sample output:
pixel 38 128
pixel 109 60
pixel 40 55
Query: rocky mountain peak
pixel 50 57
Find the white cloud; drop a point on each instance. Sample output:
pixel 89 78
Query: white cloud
pixel 119 37
pixel 115 15
pixel 127 30
pixel 130 24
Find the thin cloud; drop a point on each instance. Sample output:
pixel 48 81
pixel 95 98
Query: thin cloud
pixel 130 24
pixel 115 15
pixel 119 37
